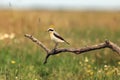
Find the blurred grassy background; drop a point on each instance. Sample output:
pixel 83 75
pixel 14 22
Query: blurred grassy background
pixel 22 59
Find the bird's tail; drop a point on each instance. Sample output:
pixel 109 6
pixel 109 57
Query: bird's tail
pixel 67 42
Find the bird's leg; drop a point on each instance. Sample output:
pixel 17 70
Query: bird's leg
pixel 56 44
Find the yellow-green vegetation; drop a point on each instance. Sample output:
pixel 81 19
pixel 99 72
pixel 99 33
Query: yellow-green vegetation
pixel 21 59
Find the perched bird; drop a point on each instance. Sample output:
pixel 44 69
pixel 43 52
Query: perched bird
pixel 56 37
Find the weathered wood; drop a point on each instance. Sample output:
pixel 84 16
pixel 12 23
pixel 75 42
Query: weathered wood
pixel 106 44
pixel 37 42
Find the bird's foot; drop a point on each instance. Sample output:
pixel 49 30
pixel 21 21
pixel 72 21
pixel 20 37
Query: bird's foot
pixel 54 49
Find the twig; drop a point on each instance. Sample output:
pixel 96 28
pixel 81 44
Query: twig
pixel 106 44
pixel 37 42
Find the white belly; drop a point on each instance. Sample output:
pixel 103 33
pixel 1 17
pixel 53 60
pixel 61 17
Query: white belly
pixel 55 39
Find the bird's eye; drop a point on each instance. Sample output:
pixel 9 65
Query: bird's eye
pixel 50 29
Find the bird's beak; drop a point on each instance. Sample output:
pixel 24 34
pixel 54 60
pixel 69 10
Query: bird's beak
pixel 47 30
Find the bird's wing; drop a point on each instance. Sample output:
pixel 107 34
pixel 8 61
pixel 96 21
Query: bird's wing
pixel 58 36
pixel 56 33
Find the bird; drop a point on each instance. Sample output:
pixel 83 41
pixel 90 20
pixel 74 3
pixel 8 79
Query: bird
pixel 56 37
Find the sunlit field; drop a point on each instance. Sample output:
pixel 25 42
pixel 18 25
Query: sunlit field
pixel 21 59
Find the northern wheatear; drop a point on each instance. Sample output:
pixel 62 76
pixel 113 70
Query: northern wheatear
pixel 56 37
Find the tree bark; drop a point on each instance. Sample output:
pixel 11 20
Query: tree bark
pixel 106 44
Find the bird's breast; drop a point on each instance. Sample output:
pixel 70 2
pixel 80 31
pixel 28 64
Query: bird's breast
pixel 52 36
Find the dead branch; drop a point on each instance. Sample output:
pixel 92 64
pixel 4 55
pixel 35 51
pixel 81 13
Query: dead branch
pixel 37 42
pixel 106 44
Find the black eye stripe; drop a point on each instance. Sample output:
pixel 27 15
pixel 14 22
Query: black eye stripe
pixel 50 30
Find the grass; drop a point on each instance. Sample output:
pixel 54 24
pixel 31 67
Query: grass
pixel 21 59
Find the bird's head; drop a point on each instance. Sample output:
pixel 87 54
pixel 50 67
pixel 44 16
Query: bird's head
pixel 50 30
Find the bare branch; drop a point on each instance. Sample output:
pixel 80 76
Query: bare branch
pixel 113 46
pixel 37 42
pixel 106 44
pixel 47 56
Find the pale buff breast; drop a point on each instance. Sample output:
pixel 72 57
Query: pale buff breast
pixel 54 38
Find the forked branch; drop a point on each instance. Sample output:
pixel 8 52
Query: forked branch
pixel 106 44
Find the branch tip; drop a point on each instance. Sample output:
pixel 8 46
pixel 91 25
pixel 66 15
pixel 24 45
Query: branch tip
pixel 46 58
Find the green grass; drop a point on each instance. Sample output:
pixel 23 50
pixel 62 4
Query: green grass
pixel 23 60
